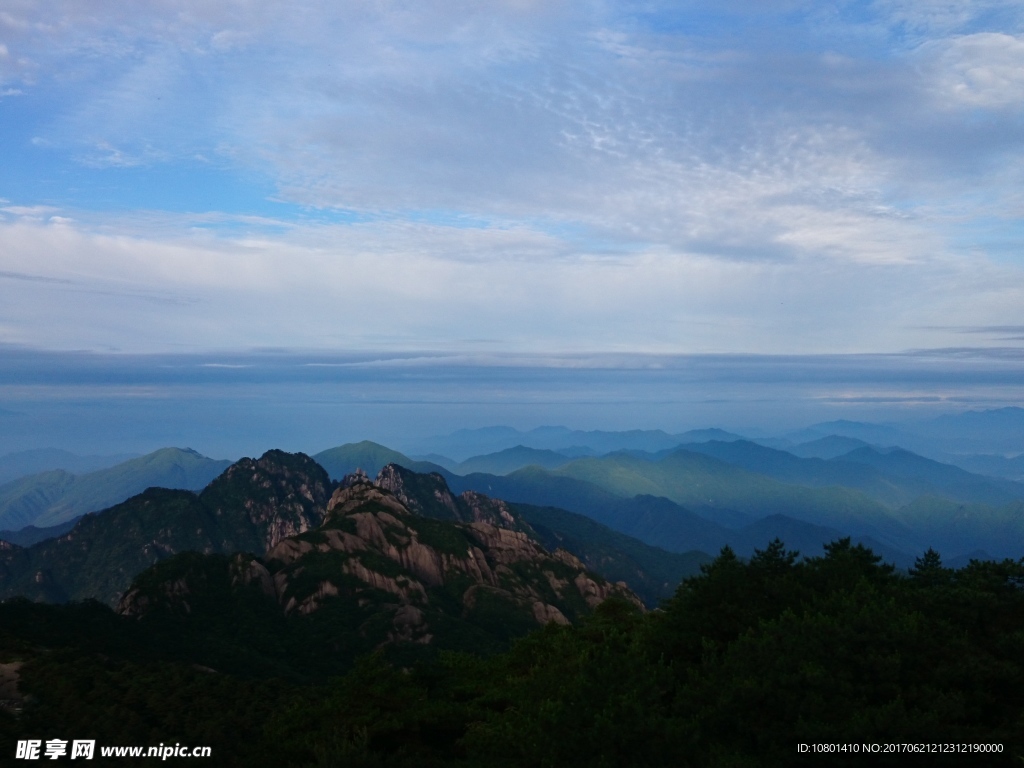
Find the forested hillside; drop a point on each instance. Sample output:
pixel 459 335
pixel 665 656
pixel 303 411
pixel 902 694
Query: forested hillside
pixel 745 662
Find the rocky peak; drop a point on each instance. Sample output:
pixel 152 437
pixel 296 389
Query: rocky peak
pixel 283 494
pixel 429 495
pixel 363 496
pixel 477 508
pixel 374 551
pixel 424 494
pixel 355 478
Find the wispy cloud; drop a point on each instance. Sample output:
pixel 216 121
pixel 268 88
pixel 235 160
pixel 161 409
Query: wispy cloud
pixel 565 175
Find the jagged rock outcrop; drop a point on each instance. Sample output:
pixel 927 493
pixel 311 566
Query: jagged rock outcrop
pixel 283 494
pixel 429 495
pixel 424 494
pixel 377 550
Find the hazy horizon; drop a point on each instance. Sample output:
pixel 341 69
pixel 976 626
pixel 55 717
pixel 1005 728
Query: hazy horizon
pixel 229 405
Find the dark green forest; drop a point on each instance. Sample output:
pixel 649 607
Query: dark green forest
pixel 747 660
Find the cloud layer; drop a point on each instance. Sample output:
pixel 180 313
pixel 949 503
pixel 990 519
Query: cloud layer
pixel 511 176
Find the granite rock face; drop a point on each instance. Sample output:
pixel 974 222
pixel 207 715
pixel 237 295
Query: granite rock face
pixel 382 547
pixel 283 494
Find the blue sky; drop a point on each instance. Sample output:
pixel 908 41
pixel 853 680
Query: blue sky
pixel 512 178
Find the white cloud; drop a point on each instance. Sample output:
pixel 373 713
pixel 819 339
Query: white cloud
pixel 547 174
pixel 395 286
pixel 933 18
pixel 980 70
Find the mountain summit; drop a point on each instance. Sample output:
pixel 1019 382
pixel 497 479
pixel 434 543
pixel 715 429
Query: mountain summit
pixel 380 568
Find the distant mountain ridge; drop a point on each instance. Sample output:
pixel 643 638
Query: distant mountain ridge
pixel 687 500
pixel 893 477
pixel 255 504
pixel 369 457
pixel 54 497
pixel 991 465
pixel 828 447
pixel 684 499
pixel 511 459
pixel 701 482
pixel 466 443
pixel 32 462
pixel 993 431
pixel 661 522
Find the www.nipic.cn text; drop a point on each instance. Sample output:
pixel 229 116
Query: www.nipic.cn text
pixel 85 749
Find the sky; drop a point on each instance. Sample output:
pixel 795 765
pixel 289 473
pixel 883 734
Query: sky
pixel 516 185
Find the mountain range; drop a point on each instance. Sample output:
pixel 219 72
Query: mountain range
pixel 467 443
pixel 57 496
pixel 705 495
pixel 295 611
pixel 690 498
pixel 997 431
pixel 32 462
pixel 256 503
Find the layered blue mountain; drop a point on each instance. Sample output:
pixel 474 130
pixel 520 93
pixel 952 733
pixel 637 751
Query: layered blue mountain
pixel 511 459
pixel 893 477
pixel 369 457
pixel 828 447
pixel 993 431
pixel 997 430
pixel 943 480
pixel 32 462
pixel 256 504
pixel 716 493
pixel 875 434
pixel 55 497
pixel 467 443
pixel 992 465
pixel 693 499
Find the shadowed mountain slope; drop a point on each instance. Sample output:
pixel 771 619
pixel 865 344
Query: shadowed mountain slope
pixel 894 477
pixel 704 483
pixel 650 571
pixel 250 507
pixel 812 472
pixel 960 529
pixel 30 535
pixel 945 480
pixel 660 522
